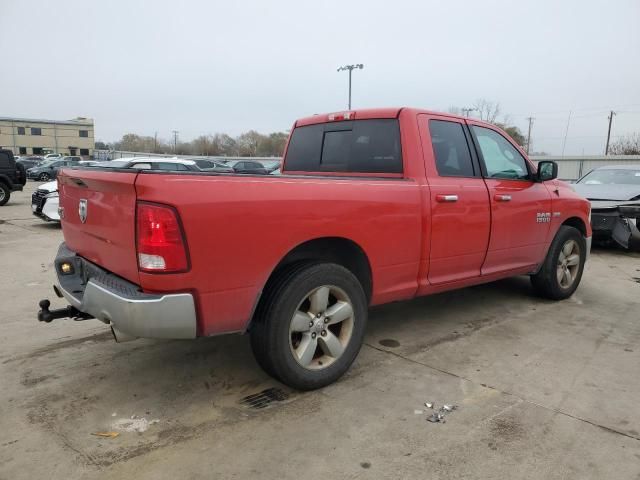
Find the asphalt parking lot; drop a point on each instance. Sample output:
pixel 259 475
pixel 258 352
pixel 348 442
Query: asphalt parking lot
pixel 544 390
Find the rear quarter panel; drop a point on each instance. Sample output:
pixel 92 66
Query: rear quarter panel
pixel 239 228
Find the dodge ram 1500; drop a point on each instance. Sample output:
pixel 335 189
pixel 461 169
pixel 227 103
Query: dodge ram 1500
pixel 372 206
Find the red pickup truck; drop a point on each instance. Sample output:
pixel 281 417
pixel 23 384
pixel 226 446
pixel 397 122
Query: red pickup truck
pixel 372 206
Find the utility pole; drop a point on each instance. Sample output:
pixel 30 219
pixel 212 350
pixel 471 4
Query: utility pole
pixel 610 117
pixel 155 142
pixel 467 111
pixel 350 69
pixel 175 140
pixel 566 132
pixel 529 134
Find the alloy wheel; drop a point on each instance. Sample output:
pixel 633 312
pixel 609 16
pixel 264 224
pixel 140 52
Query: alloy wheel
pixel 568 263
pixel 321 327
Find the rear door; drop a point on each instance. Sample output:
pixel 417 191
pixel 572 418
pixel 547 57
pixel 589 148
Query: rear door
pixel 520 206
pixel 460 212
pixel 99 217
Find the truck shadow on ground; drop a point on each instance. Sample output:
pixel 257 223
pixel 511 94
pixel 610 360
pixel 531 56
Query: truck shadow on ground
pixel 81 386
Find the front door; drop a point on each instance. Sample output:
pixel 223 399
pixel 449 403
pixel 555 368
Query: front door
pixel 520 206
pixel 459 202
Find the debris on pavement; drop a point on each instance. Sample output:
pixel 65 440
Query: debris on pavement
pixel 438 416
pixel 106 434
pixel 133 424
pixel 418 412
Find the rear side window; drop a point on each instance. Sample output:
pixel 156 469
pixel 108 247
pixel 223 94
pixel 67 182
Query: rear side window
pixel 4 160
pixel 360 146
pixel 450 148
pixel 170 166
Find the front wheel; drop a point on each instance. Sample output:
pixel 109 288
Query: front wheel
pixel 562 269
pixel 44 177
pixel 309 328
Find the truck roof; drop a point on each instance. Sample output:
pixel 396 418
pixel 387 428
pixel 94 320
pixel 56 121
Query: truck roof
pixel 365 113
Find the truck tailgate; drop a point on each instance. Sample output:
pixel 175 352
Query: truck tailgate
pixel 107 234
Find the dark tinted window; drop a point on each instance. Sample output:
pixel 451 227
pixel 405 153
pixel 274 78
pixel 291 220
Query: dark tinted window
pixel 20 130
pixel 23 150
pixel 362 146
pixel 205 163
pixel 169 166
pixel 36 131
pixel 84 133
pixel 84 151
pixel 4 160
pixel 451 150
pixel 501 159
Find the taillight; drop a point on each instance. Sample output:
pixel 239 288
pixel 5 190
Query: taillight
pixel 160 240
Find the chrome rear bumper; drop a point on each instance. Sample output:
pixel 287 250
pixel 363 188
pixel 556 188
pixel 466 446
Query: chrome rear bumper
pixel 115 301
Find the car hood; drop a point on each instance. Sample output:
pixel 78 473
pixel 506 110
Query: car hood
pixel 49 186
pixel 607 192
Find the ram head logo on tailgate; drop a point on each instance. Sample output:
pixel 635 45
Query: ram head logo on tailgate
pixel 82 210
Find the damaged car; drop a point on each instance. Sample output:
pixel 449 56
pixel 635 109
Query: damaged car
pixel 44 202
pixel 614 192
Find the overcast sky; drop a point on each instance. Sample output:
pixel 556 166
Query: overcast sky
pixel 229 66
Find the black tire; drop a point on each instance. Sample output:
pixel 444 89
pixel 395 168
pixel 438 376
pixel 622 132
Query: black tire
pixel 270 331
pixel 44 177
pixel 5 194
pixel 546 282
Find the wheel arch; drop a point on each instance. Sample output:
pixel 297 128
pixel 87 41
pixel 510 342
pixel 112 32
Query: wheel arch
pixel 577 223
pixel 339 250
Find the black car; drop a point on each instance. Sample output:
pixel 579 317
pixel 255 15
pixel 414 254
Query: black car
pixel 614 192
pixel 211 166
pixel 250 167
pixel 12 176
pixel 48 170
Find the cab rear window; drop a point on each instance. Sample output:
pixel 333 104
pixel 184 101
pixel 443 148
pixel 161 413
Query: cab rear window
pixel 357 146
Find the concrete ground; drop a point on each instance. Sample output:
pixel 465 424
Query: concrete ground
pixel 545 390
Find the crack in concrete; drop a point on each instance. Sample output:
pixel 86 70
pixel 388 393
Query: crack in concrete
pixel 511 394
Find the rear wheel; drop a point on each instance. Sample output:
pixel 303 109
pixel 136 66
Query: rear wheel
pixel 310 327
pixel 5 193
pixel 562 269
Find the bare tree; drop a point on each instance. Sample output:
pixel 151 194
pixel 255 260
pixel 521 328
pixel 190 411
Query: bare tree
pixel 627 145
pixel 487 110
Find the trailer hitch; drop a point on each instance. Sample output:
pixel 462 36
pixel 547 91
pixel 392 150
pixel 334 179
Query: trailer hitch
pixel 47 316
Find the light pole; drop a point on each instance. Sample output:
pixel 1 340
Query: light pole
pixel 350 68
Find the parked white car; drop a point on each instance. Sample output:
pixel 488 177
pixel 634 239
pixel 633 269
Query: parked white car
pixel 44 202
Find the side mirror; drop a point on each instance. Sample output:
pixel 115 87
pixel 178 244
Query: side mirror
pixel 547 170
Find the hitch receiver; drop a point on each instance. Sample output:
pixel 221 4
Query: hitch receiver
pixel 47 316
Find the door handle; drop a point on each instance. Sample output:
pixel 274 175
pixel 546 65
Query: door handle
pixel 502 198
pixel 446 198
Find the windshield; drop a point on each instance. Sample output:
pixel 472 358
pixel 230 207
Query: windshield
pixel 47 163
pixel 612 176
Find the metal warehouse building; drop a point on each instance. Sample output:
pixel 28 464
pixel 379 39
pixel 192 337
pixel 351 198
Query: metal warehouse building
pixel 34 136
